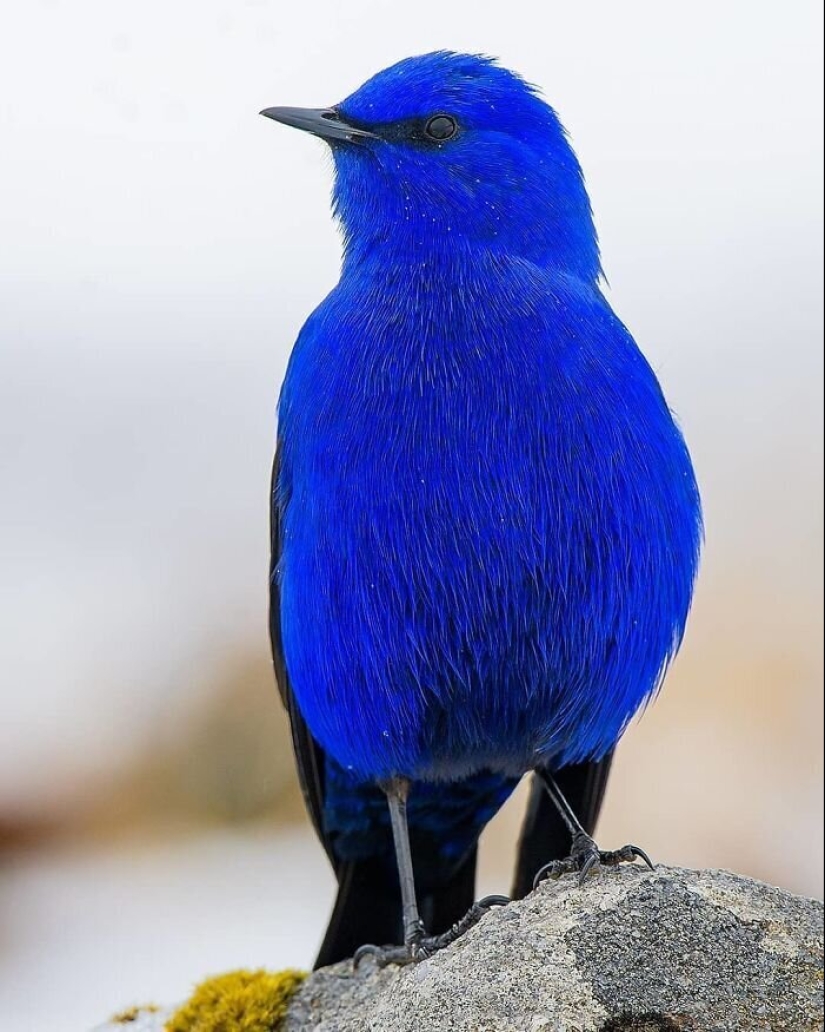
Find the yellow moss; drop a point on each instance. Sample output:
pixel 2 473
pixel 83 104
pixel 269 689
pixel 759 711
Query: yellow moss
pixel 241 1001
pixel 133 1013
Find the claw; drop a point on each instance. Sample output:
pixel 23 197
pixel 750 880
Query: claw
pixel 555 869
pixel 422 946
pixel 368 950
pixel 492 901
pixel 642 855
pixel 590 862
pixel 586 857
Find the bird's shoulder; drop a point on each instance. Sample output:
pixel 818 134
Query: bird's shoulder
pixel 373 346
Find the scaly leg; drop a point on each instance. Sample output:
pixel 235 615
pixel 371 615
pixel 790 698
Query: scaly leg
pixel 585 855
pixel 417 944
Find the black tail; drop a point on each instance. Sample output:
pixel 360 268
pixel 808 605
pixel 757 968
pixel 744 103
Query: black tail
pixel 543 834
pixel 368 907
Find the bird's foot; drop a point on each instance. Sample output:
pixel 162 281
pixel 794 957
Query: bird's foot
pixel 585 856
pixel 419 945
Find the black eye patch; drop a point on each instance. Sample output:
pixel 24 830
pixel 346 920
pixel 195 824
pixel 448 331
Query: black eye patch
pixel 432 132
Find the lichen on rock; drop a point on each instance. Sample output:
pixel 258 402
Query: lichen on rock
pixel 240 1001
pixel 132 1014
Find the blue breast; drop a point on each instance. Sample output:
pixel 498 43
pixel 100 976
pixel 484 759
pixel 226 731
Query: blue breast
pixel 491 523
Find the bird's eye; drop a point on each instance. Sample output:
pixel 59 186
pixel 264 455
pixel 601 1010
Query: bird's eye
pixel 440 127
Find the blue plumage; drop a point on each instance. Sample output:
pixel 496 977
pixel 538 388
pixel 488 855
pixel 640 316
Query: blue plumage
pixel 356 821
pixel 490 525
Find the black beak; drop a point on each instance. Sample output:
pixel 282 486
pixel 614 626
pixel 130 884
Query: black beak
pixel 326 123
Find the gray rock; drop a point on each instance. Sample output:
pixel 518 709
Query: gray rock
pixel 636 950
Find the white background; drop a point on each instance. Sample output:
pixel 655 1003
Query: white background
pixel 160 246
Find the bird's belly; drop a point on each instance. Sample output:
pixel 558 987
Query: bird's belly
pixel 460 613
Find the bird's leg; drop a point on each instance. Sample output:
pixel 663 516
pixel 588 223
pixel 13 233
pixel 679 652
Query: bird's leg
pixel 417 944
pixel 585 855
pixel 396 792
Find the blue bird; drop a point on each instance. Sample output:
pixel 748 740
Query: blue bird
pixel 485 522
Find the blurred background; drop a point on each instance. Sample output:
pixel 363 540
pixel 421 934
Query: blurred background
pixel 160 246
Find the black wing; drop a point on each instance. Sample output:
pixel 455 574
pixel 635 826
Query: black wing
pixel 309 757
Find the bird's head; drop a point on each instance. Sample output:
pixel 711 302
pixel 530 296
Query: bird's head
pixel 450 151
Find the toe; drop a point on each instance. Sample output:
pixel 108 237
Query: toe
pixel 384 955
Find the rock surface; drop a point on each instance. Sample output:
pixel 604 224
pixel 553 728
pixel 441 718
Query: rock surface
pixel 636 950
